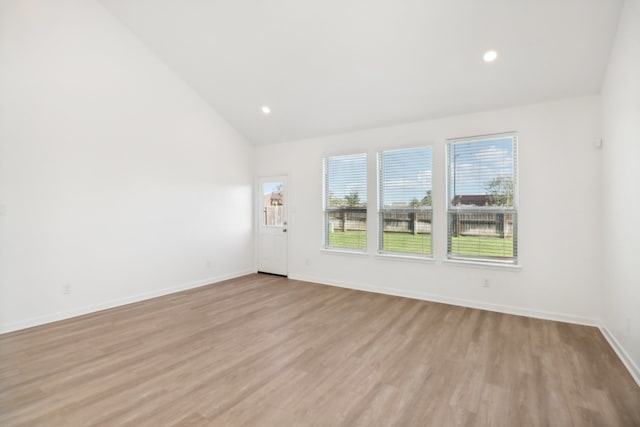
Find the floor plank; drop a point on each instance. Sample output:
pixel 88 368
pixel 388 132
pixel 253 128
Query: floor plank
pixel 265 350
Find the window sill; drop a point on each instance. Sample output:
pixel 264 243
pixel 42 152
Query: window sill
pixel 480 264
pixel 332 251
pixel 402 257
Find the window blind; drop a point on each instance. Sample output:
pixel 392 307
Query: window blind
pixel 482 199
pixel 345 202
pixel 405 210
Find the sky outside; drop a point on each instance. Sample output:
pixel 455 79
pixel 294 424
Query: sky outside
pixel 407 172
pixel 475 163
pixel 270 187
pixel 406 175
pixel 347 174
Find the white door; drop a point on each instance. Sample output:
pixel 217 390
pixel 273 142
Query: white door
pixel 272 225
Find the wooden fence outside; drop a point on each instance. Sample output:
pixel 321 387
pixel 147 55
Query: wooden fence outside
pixel 273 216
pixel 412 221
pixel 407 221
pixel 347 219
pixel 482 224
pixel 395 220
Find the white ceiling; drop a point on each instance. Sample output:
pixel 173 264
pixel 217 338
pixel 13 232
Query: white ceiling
pixel 329 66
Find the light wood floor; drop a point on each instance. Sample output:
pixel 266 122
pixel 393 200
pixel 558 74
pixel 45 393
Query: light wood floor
pixel 264 350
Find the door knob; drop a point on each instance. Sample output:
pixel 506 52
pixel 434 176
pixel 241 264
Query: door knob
pixel 284 230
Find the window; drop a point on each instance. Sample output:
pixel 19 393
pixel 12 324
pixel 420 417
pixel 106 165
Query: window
pixel 273 201
pixel 482 199
pixel 345 202
pixel 405 201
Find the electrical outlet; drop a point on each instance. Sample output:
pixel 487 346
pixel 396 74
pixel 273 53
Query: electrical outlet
pixel 486 283
pixel 307 262
pixel 208 264
pixel 66 289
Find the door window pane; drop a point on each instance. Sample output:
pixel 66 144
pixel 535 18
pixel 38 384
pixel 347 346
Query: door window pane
pixel 273 204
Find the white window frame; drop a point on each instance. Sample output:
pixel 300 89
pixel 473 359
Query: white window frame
pixel 325 208
pixel 477 259
pixel 381 209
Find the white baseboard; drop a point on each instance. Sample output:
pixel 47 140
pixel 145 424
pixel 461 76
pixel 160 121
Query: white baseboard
pixel 519 311
pixel 48 318
pixel 622 353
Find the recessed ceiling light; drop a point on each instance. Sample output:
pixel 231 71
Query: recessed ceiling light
pixel 490 55
pixel 266 109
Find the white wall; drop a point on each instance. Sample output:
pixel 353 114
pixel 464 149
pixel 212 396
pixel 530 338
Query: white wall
pixel 559 222
pixel 116 178
pixel 621 192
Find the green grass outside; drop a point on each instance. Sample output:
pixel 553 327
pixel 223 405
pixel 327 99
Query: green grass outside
pixel 408 243
pixel 493 246
pixel 348 240
pixel 421 243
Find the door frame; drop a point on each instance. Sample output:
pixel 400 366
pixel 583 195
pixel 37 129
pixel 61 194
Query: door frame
pixel 258 211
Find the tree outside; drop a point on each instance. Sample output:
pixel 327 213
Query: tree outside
pixel 500 191
pixel 353 199
pixel 426 200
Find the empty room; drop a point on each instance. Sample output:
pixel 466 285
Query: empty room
pixel 319 213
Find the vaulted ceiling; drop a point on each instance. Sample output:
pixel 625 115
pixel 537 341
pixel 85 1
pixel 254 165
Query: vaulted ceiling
pixel 339 65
